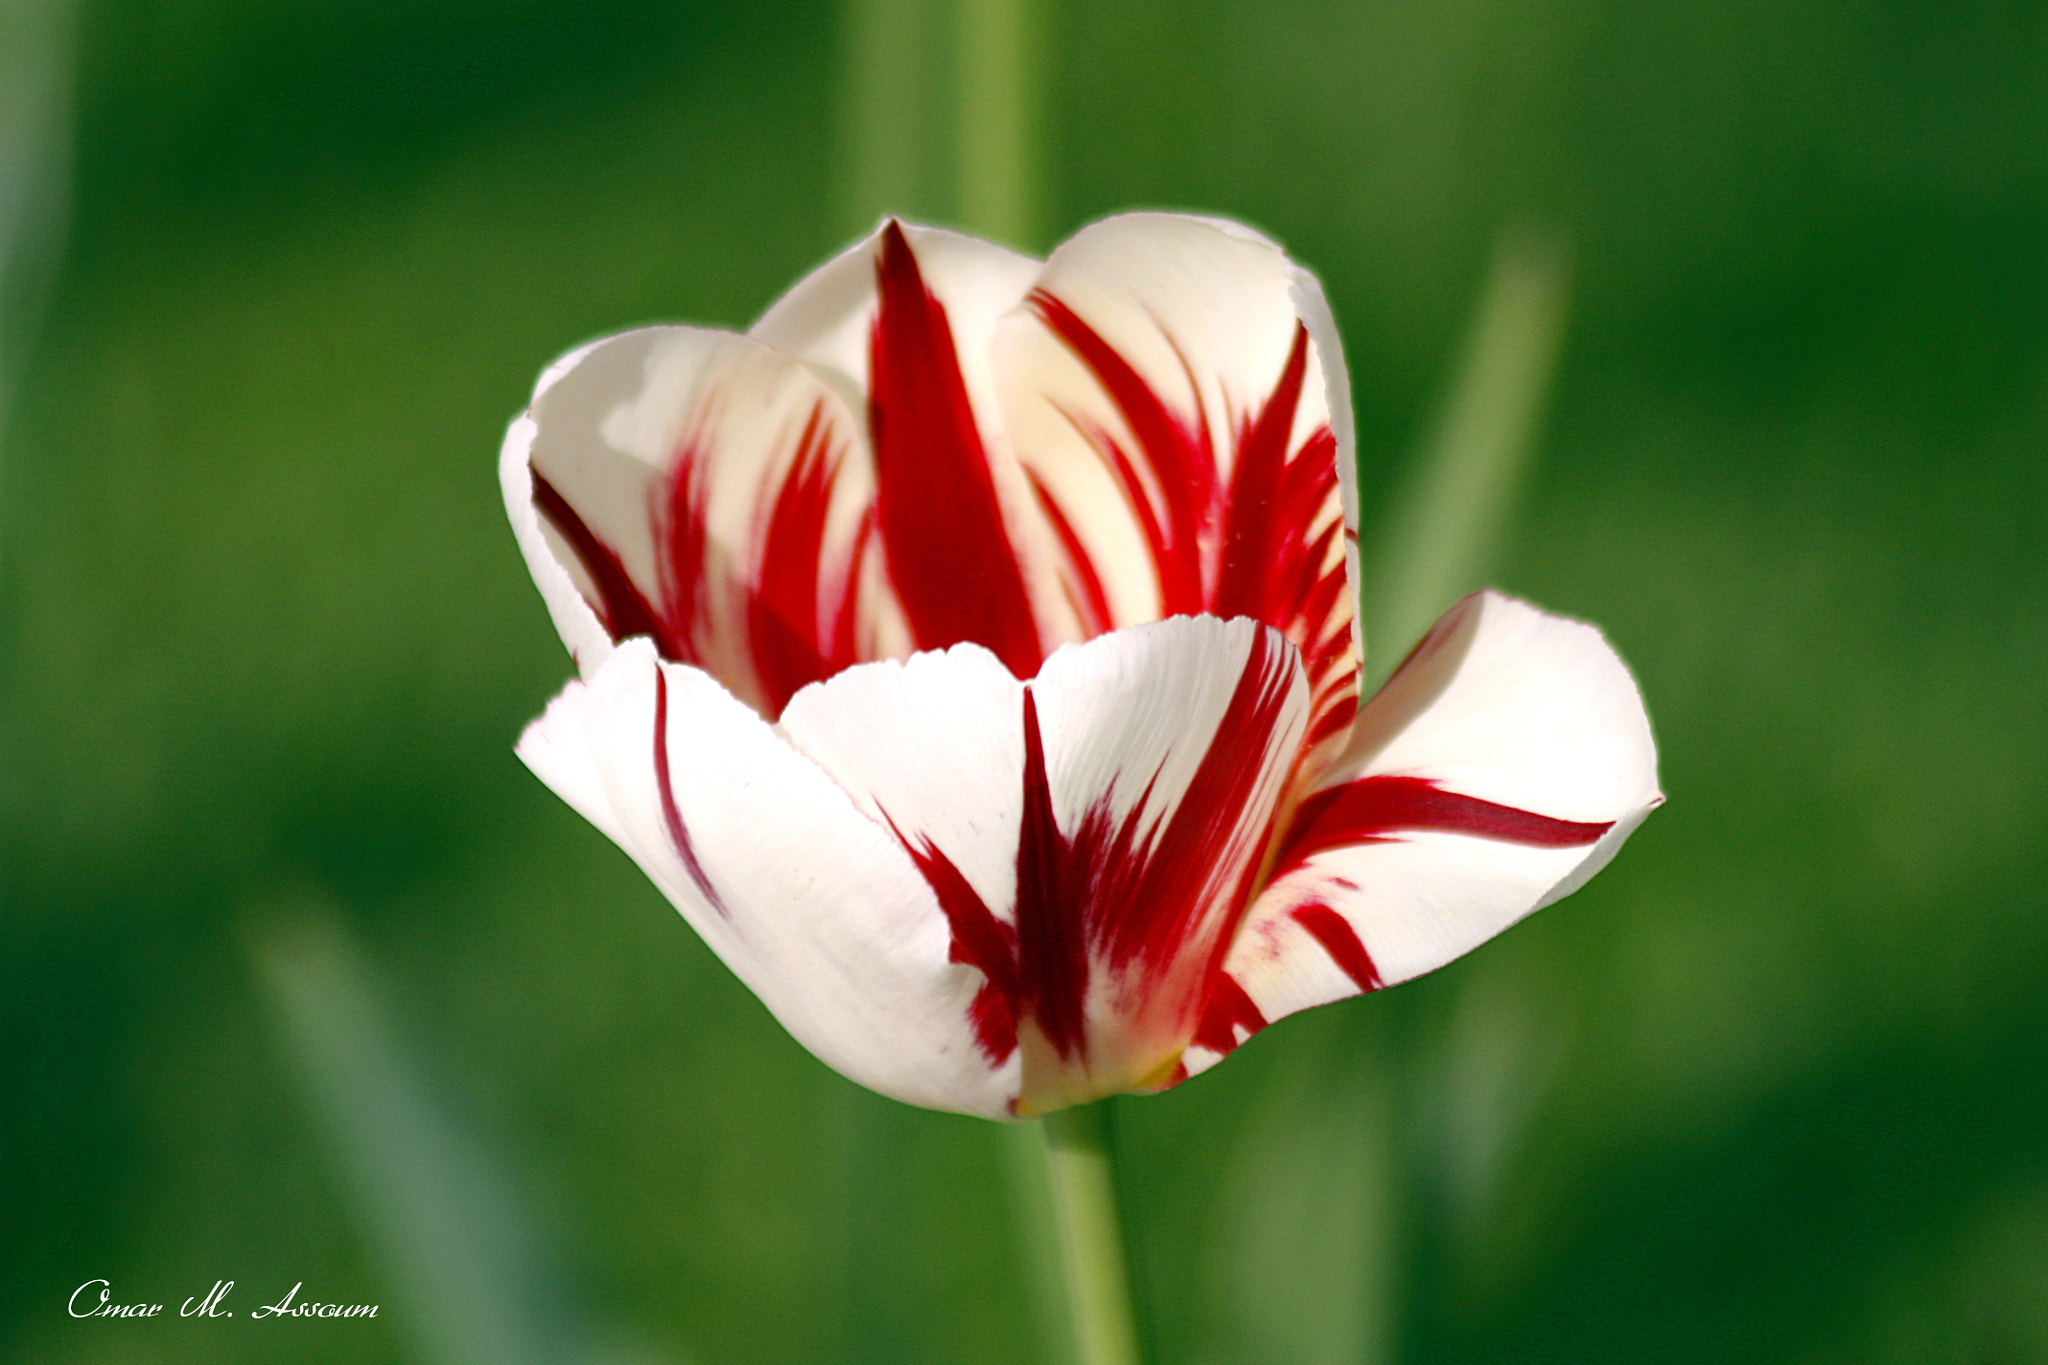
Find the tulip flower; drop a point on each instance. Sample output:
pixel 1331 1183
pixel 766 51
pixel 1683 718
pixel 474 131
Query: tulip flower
pixel 969 652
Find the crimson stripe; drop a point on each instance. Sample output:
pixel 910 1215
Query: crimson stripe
pixel 1052 945
pixel 671 815
pixel 1227 1009
pixel 950 555
pixel 1160 895
pixel 1266 547
pixel 1182 464
pixel 1254 545
pixel 1340 941
pixel 980 941
pixel 1101 894
pixel 621 607
pixel 1372 807
pixel 784 602
pixel 1092 603
pixel 1112 893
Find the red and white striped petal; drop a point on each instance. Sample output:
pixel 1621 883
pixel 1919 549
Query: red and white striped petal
pixel 1498 769
pixel 1154 759
pixel 699 488
pixel 903 324
pixel 812 903
pixel 1090 836
pixel 1168 389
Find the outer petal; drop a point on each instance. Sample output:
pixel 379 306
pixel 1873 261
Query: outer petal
pixel 814 905
pixel 1165 750
pixel 1175 394
pixel 1091 836
pixel 699 488
pixel 1498 769
pixel 588 642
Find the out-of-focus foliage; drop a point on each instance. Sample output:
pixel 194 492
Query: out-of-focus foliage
pixel 1771 1089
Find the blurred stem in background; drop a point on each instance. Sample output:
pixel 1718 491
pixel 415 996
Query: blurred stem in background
pixel 1438 537
pixel 458 1247
pixel 891 140
pixel 996 168
pixel 939 116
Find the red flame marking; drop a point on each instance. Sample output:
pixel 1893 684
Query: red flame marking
pixel 1091 602
pixel 949 553
pixel 1340 941
pixel 1182 466
pixel 1373 807
pixel 621 607
pixel 789 649
pixel 1103 895
pixel 980 941
pixel 1228 1009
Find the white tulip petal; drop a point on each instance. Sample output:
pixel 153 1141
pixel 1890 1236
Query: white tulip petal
pixel 563 584
pixel 932 747
pixel 1500 767
pixel 810 902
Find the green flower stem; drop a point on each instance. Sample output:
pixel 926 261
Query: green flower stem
pixel 1091 1242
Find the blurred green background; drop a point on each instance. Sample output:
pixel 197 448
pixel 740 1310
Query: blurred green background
pixel 304 979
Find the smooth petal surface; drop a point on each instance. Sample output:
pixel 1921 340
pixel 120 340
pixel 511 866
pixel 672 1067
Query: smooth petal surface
pixel 1169 402
pixel 1091 836
pixel 1498 769
pixel 702 489
pixel 810 901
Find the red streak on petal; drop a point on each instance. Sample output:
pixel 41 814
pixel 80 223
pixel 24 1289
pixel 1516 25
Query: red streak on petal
pixel 980 941
pixel 784 606
pixel 1340 941
pixel 1332 718
pixel 621 607
pixel 1052 945
pixel 949 553
pixel 1148 901
pixel 678 833
pixel 680 512
pixel 1254 546
pixel 1373 807
pixel 995 1024
pixel 1091 602
pixel 846 621
pixel 1131 898
pixel 1181 462
pixel 1266 546
pixel 1227 1009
